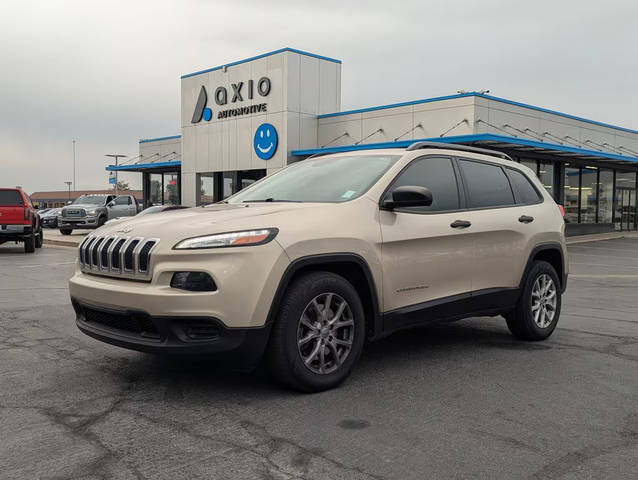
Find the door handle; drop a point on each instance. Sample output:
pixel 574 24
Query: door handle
pixel 460 224
pixel 525 219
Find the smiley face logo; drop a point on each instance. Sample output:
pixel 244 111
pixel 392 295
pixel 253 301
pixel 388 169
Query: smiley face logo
pixel 265 141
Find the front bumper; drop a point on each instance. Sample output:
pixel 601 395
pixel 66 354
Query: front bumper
pixel 49 222
pixel 72 223
pixel 137 330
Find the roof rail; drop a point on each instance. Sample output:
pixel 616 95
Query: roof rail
pixel 456 146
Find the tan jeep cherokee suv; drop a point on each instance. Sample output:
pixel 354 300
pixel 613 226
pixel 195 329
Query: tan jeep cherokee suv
pixel 304 265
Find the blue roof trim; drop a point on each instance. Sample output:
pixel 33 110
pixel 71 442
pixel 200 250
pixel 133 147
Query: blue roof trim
pixel 172 137
pixel 480 95
pixel 395 105
pixel 274 52
pixel 134 167
pixel 465 139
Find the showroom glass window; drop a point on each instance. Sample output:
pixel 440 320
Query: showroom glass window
pixel 435 173
pixel 487 185
pixel 205 188
pixel 572 182
pixel 531 164
pixel 605 196
pixel 171 189
pixel 588 195
pixel 625 216
pixel 155 188
pixel 546 176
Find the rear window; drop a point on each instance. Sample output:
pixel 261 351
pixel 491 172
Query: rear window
pixel 10 197
pixel 523 189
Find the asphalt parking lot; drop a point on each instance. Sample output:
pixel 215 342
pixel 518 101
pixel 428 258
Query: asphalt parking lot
pixel 461 400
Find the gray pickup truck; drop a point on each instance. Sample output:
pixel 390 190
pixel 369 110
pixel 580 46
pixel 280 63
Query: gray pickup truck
pixel 92 211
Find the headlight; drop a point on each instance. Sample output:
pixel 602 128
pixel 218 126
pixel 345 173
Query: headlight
pixel 231 239
pixel 91 212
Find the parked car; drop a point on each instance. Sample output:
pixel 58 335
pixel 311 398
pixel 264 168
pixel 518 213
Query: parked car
pixel 50 218
pixel 19 221
pixel 307 263
pixel 150 210
pixel 92 211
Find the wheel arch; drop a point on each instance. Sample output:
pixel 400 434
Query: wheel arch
pixel 552 253
pixel 352 267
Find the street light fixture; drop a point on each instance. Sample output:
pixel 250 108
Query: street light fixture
pixel 68 184
pixel 116 156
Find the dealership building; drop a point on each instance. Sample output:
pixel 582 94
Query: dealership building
pixel 246 119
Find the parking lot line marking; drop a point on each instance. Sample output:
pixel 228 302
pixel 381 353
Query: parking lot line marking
pixel 602 275
pixel 38 265
pixel 602 265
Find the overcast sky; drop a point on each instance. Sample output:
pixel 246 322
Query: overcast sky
pixel 107 73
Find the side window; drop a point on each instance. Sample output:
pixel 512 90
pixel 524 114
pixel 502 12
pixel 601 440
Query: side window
pixel 435 173
pixel 524 191
pixel 123 200
pixel 487 185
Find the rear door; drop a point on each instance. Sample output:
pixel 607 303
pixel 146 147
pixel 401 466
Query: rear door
pixel 425 258
pixel 11 207
pixel 500 239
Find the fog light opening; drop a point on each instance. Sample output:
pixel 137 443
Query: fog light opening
pixel 193 281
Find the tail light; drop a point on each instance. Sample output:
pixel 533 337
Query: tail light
pixel 27 213
pixel 562 211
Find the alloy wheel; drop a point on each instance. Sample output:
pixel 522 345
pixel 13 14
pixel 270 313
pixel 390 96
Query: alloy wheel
pixel 325 333
pixel 544 301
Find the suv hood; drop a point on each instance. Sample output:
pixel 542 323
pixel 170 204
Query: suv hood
pixel 175 225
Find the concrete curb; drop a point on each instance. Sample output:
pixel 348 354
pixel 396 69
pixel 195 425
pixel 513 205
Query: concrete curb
pixel 600 236
pixel 61 243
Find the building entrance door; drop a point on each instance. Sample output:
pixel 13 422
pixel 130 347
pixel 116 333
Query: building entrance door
pixel 626 209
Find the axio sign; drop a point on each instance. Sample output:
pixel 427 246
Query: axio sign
pixel 237 93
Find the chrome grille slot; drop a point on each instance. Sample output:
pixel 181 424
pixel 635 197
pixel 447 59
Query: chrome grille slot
pixel 104 253
pixel 119 257
pixel 115 256
pixel 145 251
pixel 129 259
pixel 94 253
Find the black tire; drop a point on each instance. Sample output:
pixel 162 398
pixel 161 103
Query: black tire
pixel 101 221
pixel 39 239
pixel 520 321
pixel 29 244
pixel 65 231
pixel 285 357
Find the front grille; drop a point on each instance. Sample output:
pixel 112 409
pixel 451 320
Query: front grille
pixel 123 257
pixel 74 212
pixel 138 324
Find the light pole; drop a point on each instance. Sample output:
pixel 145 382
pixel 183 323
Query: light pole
pixel 74 185
pixel 68 184
pixel 116 156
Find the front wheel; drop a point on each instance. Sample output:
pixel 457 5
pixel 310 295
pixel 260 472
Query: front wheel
pixel 318 334
pixel 39 239
pixel 538 308
pixel 66 231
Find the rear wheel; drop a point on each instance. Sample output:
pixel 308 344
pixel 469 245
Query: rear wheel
pixel 538 308
pixel 318 334
pixel 66 231
pixel 39 239
pixel 29 244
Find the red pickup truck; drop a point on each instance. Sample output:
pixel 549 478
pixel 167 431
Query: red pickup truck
pixel 19 221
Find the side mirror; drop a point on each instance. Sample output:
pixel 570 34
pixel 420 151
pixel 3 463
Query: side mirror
pixel 409 196
pixel 110 204
pixel 69 202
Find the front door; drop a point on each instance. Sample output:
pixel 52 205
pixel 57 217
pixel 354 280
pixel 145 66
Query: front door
pixel 426 260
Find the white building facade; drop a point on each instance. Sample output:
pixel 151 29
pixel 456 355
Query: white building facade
pixel 247 119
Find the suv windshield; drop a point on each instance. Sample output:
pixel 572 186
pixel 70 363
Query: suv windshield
pixel 323 179
pixel 89 200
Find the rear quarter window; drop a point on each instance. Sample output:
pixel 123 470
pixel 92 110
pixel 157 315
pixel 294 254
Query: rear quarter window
pixel 524 191
pixel 10 197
